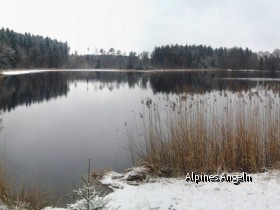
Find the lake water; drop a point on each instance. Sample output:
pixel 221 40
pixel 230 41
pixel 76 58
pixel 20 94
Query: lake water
pixel 52 122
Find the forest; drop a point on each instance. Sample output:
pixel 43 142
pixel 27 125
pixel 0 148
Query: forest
pixel 30 51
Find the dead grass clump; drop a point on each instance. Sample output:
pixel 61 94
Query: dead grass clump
pixel 31 198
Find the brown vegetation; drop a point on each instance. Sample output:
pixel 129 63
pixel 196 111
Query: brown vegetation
pixel 208 133
pixel 20 198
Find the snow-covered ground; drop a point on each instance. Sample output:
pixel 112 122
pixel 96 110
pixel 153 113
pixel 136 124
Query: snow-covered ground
pixel 175 193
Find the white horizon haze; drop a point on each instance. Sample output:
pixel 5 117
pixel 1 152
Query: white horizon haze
pixel 140 25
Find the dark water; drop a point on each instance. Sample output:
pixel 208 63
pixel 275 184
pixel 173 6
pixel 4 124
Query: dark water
pixel 54 121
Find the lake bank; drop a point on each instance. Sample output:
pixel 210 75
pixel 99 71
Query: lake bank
pixel 176 193
pixel 155 192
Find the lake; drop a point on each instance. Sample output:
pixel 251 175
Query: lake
pixel 52 122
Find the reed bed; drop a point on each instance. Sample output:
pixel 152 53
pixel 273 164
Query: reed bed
pixel 209 132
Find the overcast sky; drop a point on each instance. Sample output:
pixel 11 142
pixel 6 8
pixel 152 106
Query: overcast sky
pixel 139 25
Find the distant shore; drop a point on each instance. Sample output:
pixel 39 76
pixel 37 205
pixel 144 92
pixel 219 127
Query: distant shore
pixel 27 71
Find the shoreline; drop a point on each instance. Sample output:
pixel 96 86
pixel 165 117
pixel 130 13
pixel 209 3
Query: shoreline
pixel 140 188
pixel 7 72
pixel 151 192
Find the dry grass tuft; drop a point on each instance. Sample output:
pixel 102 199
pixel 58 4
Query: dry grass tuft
pixel 31 198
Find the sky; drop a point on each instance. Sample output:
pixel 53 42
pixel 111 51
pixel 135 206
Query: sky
pixel 140 25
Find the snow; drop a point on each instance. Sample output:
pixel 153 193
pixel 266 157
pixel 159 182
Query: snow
pixel 52 208
pixel 21 72
pixel 31 71
pixel 175 193
pixel 19 207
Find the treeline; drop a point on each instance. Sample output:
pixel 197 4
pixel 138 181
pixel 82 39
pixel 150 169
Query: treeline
pixel 111 60
pixel 29 51
pixel 180 57
pixel 203 57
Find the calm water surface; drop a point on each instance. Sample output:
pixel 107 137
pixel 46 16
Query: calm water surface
pixel 54 121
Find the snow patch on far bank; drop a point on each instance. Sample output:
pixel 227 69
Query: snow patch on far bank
pixel 20 72
pixel 10 73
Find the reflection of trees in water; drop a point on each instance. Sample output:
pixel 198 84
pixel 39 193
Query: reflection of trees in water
pixel 30 88
pixel 108 78
pixel 206 81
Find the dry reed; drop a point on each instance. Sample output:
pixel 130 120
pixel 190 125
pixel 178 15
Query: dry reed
pixel 217 131
pixel 20 198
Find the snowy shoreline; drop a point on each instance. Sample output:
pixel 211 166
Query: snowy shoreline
pixel 175 193
pixel 31 71
pixel 148 192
